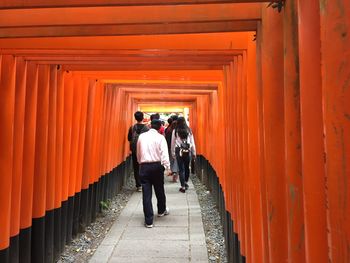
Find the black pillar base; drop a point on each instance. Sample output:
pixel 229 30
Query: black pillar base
pixel 70 211
pixel 14 249
pixel 25 239
pixel 5 255
pixel 38 240
pixel 57 246
pixel 49 236
pixel 76 211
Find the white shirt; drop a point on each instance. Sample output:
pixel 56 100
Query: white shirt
pixel 152 147
pixel 176 142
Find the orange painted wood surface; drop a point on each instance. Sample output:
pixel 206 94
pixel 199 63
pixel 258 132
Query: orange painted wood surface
pixel 18 129
pixel 273 118
pixel 314 181
pixel 335 25
pixel 7 104
pixel 277 108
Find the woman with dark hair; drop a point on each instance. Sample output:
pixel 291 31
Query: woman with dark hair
pixel 173 163
pixel 182 149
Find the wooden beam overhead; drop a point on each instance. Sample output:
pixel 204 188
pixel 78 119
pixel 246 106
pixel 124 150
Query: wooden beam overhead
pixel 137 67
pixel 170 85
pixel 128 29
pixel 21 4
pixel 136 77
pixel 120 52
pixel 128 15
pixel 216 41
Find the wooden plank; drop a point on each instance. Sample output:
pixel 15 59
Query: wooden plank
pixel 19 4
pixel 91 67
pixel 129 29
pixel 129 15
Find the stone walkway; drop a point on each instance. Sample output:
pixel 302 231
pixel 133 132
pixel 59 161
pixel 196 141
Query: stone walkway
pixel 177 237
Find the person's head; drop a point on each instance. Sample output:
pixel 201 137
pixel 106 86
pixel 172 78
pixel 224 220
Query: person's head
pixel 154 116
pixel 182 130
pixel 138 116
pixel 174 117
pixel 170 120
pixel 156 124
pixel 181 122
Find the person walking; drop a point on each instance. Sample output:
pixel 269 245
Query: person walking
pixel 173 162
pixel 183 149
pixel 156 116
pixel 153 157
pixel 133 135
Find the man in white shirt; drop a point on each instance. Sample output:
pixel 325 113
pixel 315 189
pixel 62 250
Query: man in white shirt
pixel 153 157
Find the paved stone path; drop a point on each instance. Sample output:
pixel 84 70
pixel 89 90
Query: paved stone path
pixel 177 237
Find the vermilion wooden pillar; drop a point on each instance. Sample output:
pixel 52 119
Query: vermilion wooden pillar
pixel 82 131
pixel 51 166
pixel 71 231
pixel 28 162
pixel 59 164
pixel 245 158
pixel 293 169
pixel 40 168
pixel 260 116
pixel 87 159
pixel 254 157
pixel 21 73
pixel 335 51
pixel 67 134
pixel 80 160
pixel 314 181
pixel 7 104
pixel 273 117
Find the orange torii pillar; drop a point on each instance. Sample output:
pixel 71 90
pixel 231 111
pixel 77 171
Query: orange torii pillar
pixel 313 169
pixel 254 157
pixel 273 118
pixel 260 113
pixel 7 108
pixel 51 166
pixel 87 159
pixel 335 50
pixel 40 168
pixel 28 162
pixel 67 134
pixel 76 107
pixel 292 121
pixel 58 246
pixel 21 68
pixel 81 148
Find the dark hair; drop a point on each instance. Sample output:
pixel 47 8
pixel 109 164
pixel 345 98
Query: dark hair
pixel 156 124
pixel 171 127
pixel 174 117
pixel 170 120
pixel 138 116
pixel 181 128
pixel 155 116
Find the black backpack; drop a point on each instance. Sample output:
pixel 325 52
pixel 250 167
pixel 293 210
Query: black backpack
pixel 135 136
pixel 185 148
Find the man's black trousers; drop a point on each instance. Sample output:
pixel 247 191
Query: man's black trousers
pixel 152 174
pixel 135 166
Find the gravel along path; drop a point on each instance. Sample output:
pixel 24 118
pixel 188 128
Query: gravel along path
pixel 211 222
pixel 85 244
pixel 81 249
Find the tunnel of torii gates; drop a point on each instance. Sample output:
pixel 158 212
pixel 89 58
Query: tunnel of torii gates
pixel 269 100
